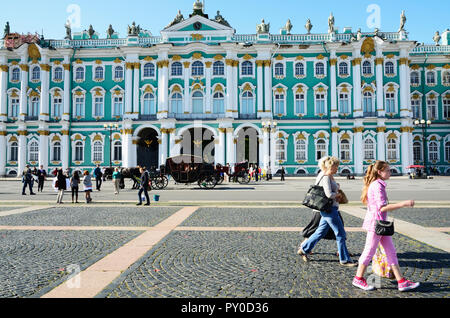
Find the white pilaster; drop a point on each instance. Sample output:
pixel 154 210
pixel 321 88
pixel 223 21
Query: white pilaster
pixel 136 99
pixel 260 88
pixel 127 144
pixel 43 146
pixel 381 140
pixel 379 80
pixel 268 88
pixel 65 146
pixel 3 87
pixel 404 84
pixel 67 89
pixel 357 147
pixel 334 138
pixel 230 91
pixel 163 147
pixel 128 90
pixel 265 147
pixel 45 84
pixel 273 156
pixel 356 62
pixel 187 91
pixel 221 146
pixel 333 92
pixel 3 150
pixel 231 148
pixel 22 155
pixel 208 108
pixel 23 106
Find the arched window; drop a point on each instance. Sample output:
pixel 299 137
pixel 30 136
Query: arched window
pixel 446 78
pixel 280 150
pixel 248 103
pixel 345 149
pixel 218 103
pixel 367 102
pixel 320 69
pixel 98 73
pixel 56 151
pixel 247 68
pixel 279 69
pixel 300 150
pixel 367 68
pixel 343 68
pixel 279 103
pixel 299 69
pixel 447 151
pixel 417 151
pixel 197 68
pixel 149 104
pixel 79 151
pixel 321 149
pixel 176 104
pixel 197 102
pixel 415 78
pixel 117 151
pixel 34 111
pixel 33 151
pixel 15 75
pixel 433 151
pixel 14 151
pixel 369 149
pixel 36 73
pixel 344 103
pixel 389 68
pixel 79 74
pixel 392 149
pixel 431 79
pixel 149 70
pixel 97 151
pixel 118 73
pixel 177 69
pixel 58 74
pixel 218 68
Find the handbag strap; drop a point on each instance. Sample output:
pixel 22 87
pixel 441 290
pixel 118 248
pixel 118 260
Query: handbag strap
pixel 320 179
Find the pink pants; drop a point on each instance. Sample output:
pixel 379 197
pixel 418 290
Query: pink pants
pixel 372 241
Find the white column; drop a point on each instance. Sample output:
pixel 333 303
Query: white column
pixel 357 149
pixel 231 151
pixel 127 144
pixel 235 89
pixel 23 106
pixel 65 146
pixel 265 147
pixel 136 99
pixel 174 147
pixel 67 91
pixel 3 151
pixel 230 91
pixel 405 147
pixel 43 147
pixel 208 108
pixel 381 141
pixel 3 88
pixel 273 156
pixel 268 87
pixel 333 93
pixel 187 91
pixel 22 150
pixel 260 88
pixel 165 90
pixel 221 146
pixel 45 82
pixel 404 84
pixel 357 105
pixel 133 152
pixel 163 147
pixel 334 141
pixel 128 90
pixel 380 90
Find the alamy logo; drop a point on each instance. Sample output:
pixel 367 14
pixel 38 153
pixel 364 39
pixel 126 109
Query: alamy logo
pixel 374 19
pixel 74 19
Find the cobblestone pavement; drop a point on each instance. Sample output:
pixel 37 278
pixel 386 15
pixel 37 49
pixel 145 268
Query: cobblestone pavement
pixel 210 263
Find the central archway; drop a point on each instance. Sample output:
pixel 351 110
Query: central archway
pixel 247 147
pixel 199 142
pixel 148 148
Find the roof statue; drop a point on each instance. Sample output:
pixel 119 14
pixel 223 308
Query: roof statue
pixel 68 31
pixel 288 26
pixel 262 28
pixel 134 30
pixel 177 19
pixel 402 21
pixel 91 31
pixel 219 19
pixel 436 38
pixel 308 26
pixel 110 31
pixel 7 30
pixel 331 23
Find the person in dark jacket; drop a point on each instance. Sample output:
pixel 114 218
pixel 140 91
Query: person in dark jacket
pixel 144 186
pixel 27 180
pixel 61 178
pixel 41 174
pixel 283 172
pixel 98 177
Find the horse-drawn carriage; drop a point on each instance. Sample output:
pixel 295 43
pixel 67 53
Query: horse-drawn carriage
pixel 240 174
pixel 157 178
pixel 192 169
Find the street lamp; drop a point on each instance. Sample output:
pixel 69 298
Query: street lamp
pixel 424 125
pixel 110 127
pixel 269 125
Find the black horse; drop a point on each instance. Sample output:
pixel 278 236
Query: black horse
pixel 130 173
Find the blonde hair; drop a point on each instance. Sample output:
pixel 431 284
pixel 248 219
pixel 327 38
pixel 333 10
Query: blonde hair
pixel 325 163
pixel 371 176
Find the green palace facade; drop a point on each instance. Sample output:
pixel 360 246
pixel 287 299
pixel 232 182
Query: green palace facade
pixel 278 100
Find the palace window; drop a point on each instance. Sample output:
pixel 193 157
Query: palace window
pixel 79 151
pixel 390 102
pixel 79 107
pixel 177 69
pixel 446 107
pixel 447 151
pixel 320 69
pixel 415 78
pixel 57 107
pixel 149 70
pixel 431 108
pixel 446 78
pixel 280 150
pixel 248 104
pixel 417 151
pixel 117 106
pixel 149 104
pixel 197 102
pixel 279 69
pixel 197 68
pixel 433 151
pixel 218 68
pixel 97 151
pixel 36 73
pixel 15 74
pixel 98 106
pixel 300 103
pixel 247 68
pixel 117 151
pixel 415 107
pixel 218 103
pixel 367 68
pixel 345 149
pixel 58 74
pixel 99 73
pixel 369 149
pixel 118 73
pixel 33 151
pixel 389 68
pixel 299 69
pixel 176 104
pixel 431 78
pixel 56 151
pixel 320 103
pixel 300 150
pixel 79 74
pixel 343 103
pixel 368 102
pixel 34 111
pixel 14 107
pixel 343 69
pixel 392 149
pixel 279 104
pixel 321 149
pixel 14 151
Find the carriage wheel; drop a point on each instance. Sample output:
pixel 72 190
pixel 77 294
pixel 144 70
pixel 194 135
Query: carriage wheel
pixel 244 179
pixel 160 182
pixel 165 182
pixel 220 180
pixel 207 182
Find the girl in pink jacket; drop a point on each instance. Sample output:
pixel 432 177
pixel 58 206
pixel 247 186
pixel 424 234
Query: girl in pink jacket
pixel 374 196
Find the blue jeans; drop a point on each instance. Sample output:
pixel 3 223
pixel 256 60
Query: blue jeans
pixel 328 220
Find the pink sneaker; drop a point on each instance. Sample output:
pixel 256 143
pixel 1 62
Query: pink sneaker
pixel 361 283
pixel 407 285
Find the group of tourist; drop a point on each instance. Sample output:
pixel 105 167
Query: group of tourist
pixel 375 197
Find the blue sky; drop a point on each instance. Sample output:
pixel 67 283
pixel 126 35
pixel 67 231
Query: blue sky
pixel 424 18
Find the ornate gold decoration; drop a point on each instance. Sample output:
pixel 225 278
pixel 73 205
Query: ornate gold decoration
pixel 66 67
pixel 259 63
pixel 208 64
pixel 404 61
pixel 392 136
pixel 197 56
pixel 57 93
pixel 218 88
pixel 45 67
pixel 247 57
pixel 176 89
pixel 4 68
pixel 335 129
pixel 280 90
pixel 247 87
pixel 299 58
pixel 197 37
pixel 333 62
pixel 186 64
pixel 137 66
pixel 431 67
pixel 379 61
pixel 129 66
pixel 345 136
pixel 358 129
pixel 299 89
pixel 22 132
pixel 267 63
pixel 391 88
pixel 148 58
pixel 78 61
pixel 356 61
pixel 24 67
pixel 218 57
pixel 279 57
pixel 320 57
pixel 33 52
pixel 390 56
pixel 14 93
pixel 65 132
pixel 235 63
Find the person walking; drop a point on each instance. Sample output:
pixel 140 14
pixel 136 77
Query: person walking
pixel 283 172
pixel 74 185
pixel 61 179
pixel 87 183
pixel 98 177
pixel 375 197
pixel 41 174
pixel 144 186
pixel 27 180
pixel 330 219
pixel 116 180
pixel 256 173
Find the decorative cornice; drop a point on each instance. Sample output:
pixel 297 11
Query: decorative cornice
pixel 381 129
pixel 45 67
pixel 22 132
pixel 335 129
pixel 404 61
pixel 24 67
pixel 356 61
pixel 43 132
pixel 379 61
pixel 4 68
pixel 358 129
